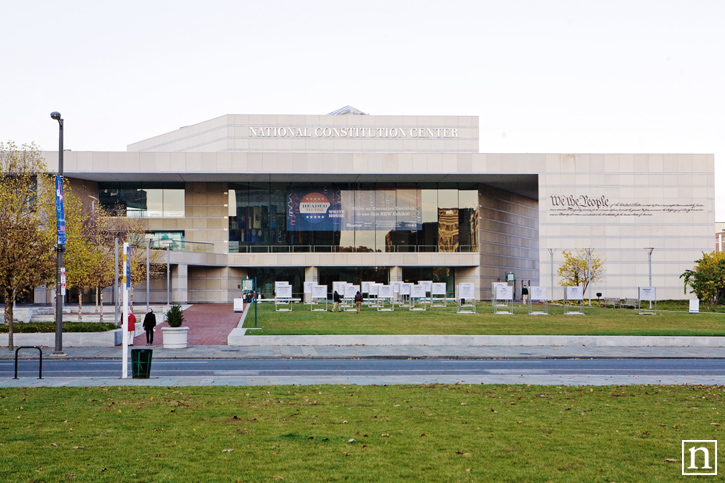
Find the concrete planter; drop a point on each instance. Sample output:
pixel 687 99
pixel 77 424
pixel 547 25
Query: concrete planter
pixel 175 337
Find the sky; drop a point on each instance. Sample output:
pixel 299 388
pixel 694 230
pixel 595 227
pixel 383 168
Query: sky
pixel 556 76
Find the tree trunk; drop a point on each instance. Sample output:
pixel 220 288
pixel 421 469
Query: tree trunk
pixel 99 294
pixel 9 299
pixel 80 304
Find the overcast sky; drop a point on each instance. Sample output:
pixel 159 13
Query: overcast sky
pixel 635 76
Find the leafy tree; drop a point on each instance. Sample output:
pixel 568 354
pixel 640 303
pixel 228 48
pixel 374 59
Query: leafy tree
pixel 580 269
pixel 27 225
pixel 707 280
pixel 81 255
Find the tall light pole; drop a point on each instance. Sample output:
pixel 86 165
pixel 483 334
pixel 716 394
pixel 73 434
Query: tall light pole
pixel 589 274
pixel 60 247
pixel 551 255
pixel 649 256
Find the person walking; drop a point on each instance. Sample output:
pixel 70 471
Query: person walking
pixel 525 294
pixel 131 328
pixel 358 301
pixel 336 302
pixel 149 325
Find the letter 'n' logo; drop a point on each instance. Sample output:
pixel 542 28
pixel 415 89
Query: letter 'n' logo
pixel 699 457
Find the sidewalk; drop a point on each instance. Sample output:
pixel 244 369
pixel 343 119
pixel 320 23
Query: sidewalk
pixel 380 352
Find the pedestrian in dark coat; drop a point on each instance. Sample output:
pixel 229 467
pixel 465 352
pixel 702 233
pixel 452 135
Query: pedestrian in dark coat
pixel 149 325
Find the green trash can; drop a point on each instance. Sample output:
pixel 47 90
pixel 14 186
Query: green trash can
pixel 141 363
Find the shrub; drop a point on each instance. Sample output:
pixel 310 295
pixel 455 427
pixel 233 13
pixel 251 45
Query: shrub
pixel 174 317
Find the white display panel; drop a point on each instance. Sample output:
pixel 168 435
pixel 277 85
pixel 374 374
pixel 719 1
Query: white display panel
pixel 319 291
pixel 537 293
pixel 283 291
pixel 648 293
pixel 438 288
pixel 428 284
pixel 308 287
pixel 405 288
pixel 351 290
pixel 385 290
pixel 466 291
pixel 365 287
pixel 373 288
pixel 504 292
pixel 574 293
pixel 417 291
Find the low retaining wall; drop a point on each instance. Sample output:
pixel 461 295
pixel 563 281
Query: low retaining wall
pixel 109 338
pixel 237 338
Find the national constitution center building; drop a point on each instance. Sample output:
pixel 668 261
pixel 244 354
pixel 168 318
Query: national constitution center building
pixel 356 197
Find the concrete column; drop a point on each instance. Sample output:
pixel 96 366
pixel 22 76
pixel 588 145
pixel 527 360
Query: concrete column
pixel 396 274
pixel 471 275
pixel 311 275
pixel 180 284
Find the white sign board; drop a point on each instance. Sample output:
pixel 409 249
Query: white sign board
pixel 504 292
pixel 373 288
pixel 283 292
pixel 385 290
pixel 319 291
pixel 428 284
pixel 417 291
pixel 648 293
pixel 339 287
pixel 438 288
pixel 405 288
pixel 574 293
pixel 396 286
pixel 239 305
pixel 365 287
pixel 351 290
pixel 694 306
pixel 466 291
pixel 279 284
pixel 537 293
pixel 308 287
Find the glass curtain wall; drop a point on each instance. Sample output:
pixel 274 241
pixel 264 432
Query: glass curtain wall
pixel 374 217
pixel 143 200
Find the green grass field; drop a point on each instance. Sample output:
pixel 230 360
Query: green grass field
pixel 353 433
pixel 675 321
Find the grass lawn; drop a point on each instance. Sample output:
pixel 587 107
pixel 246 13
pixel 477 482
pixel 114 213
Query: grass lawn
pixel 354 433
pixel 597 321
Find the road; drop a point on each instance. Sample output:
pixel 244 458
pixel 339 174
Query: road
pixel 313 368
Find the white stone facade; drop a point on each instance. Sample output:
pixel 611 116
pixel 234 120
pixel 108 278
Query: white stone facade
pixel 616 204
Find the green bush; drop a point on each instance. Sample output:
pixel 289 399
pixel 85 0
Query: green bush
pixel 174 317
pixel 49 327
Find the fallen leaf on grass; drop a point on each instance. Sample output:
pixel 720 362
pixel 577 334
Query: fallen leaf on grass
pixel 227 450
pixel 422 435
pixel 671 460
pixel 102 470
pixel 351 440
pixel 278 477
pixel 385 435
pixel 77 447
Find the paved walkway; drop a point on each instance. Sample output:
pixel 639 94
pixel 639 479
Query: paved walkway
pixel 209 324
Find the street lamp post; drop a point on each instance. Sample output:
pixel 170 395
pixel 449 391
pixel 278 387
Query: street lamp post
pixel 551 255
pixel 60 246
pixel 649 257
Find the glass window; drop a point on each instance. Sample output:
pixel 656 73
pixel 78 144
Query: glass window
pixel 143 200
pixel 328 217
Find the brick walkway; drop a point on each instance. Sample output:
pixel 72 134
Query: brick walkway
pixel 209 324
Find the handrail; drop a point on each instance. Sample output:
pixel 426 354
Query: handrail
pixel 40 367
